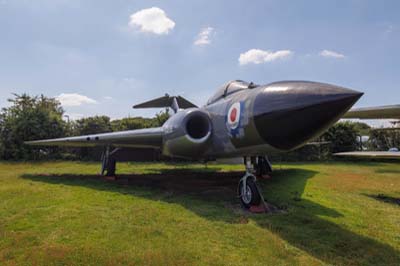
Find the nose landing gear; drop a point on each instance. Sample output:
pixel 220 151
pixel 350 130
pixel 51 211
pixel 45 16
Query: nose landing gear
pixel 249 193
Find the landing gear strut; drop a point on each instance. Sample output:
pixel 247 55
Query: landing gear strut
pixel 262 166
pixel 249 193
pixel 108 162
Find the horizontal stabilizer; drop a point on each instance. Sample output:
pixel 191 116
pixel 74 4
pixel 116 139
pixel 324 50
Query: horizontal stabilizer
pixel 166 101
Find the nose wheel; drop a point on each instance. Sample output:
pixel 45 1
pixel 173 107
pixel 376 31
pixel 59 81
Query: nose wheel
pixel 249 193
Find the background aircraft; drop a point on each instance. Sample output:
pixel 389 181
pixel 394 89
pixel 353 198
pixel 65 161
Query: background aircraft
pixel 240 120
pixel 379 112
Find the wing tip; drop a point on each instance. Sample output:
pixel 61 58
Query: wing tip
pixel 33 142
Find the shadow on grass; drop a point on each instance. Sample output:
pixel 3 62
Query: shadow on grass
pixel 385 198
pixel 212 195
pixel 387 171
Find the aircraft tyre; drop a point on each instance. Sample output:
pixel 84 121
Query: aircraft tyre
pixel 250 195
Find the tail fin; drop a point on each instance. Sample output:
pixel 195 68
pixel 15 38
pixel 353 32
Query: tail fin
pixel 175 102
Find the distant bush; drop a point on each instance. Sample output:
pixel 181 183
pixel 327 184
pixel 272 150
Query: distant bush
pixel 29 118
pixel 383 140
pixel 343 136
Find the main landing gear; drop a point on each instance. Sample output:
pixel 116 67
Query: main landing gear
pixel 108 162
pixel 249 193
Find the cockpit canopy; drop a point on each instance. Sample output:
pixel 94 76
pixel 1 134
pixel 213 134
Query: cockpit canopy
pixel 230 88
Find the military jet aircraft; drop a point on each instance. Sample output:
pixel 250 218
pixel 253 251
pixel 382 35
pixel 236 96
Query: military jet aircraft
pixel 240 120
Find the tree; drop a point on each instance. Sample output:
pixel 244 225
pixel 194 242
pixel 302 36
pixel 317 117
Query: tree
pixel 29 118
pixel 162 117
pixel 362 129
pixel 131 123
pixel 343 137
pixel 92 125
pixel 87 126
pixel 383 140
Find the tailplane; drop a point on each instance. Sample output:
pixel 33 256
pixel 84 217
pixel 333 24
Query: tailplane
pixel 175 102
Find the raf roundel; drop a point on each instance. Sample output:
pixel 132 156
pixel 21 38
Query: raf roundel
pixel 234 115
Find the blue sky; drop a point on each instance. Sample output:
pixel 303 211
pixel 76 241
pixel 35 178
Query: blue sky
pixel 101 57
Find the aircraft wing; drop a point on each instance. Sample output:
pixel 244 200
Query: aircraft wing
pixel 370 154
pixel 379 112
pixel 139 138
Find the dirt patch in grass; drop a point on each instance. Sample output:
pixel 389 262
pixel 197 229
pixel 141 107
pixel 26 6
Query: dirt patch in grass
pixel 346 181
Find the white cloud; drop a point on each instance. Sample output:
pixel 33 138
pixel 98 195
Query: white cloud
pixel 333 54
pixel 257 56
pixel 107 98
pixel 153 20
pixel 74 99
pixel 204 36
pixel 389 29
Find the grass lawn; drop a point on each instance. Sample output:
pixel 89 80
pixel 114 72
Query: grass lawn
pixel 62 213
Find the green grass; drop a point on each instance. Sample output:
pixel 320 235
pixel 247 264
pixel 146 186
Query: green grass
pixel 62 213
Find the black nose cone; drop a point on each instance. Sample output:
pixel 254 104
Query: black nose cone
pixel 288 114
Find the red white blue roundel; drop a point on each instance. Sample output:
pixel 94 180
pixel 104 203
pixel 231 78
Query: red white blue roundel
pixel 233 116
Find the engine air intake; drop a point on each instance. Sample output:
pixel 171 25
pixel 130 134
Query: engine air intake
pixel 198 126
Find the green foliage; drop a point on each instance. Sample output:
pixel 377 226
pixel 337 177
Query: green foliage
pixel 362 128
pixel 162 117
pixel 92 125
pixel 29 118
pixel 131 123
pixel 343 137
pixel 383 140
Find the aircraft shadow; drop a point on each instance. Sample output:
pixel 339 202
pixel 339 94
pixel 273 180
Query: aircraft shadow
pixel 384 198
pixel 212 195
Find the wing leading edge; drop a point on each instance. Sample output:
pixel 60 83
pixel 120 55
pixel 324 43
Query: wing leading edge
pixel 379 112
pixel 370 154
pixel 139 138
